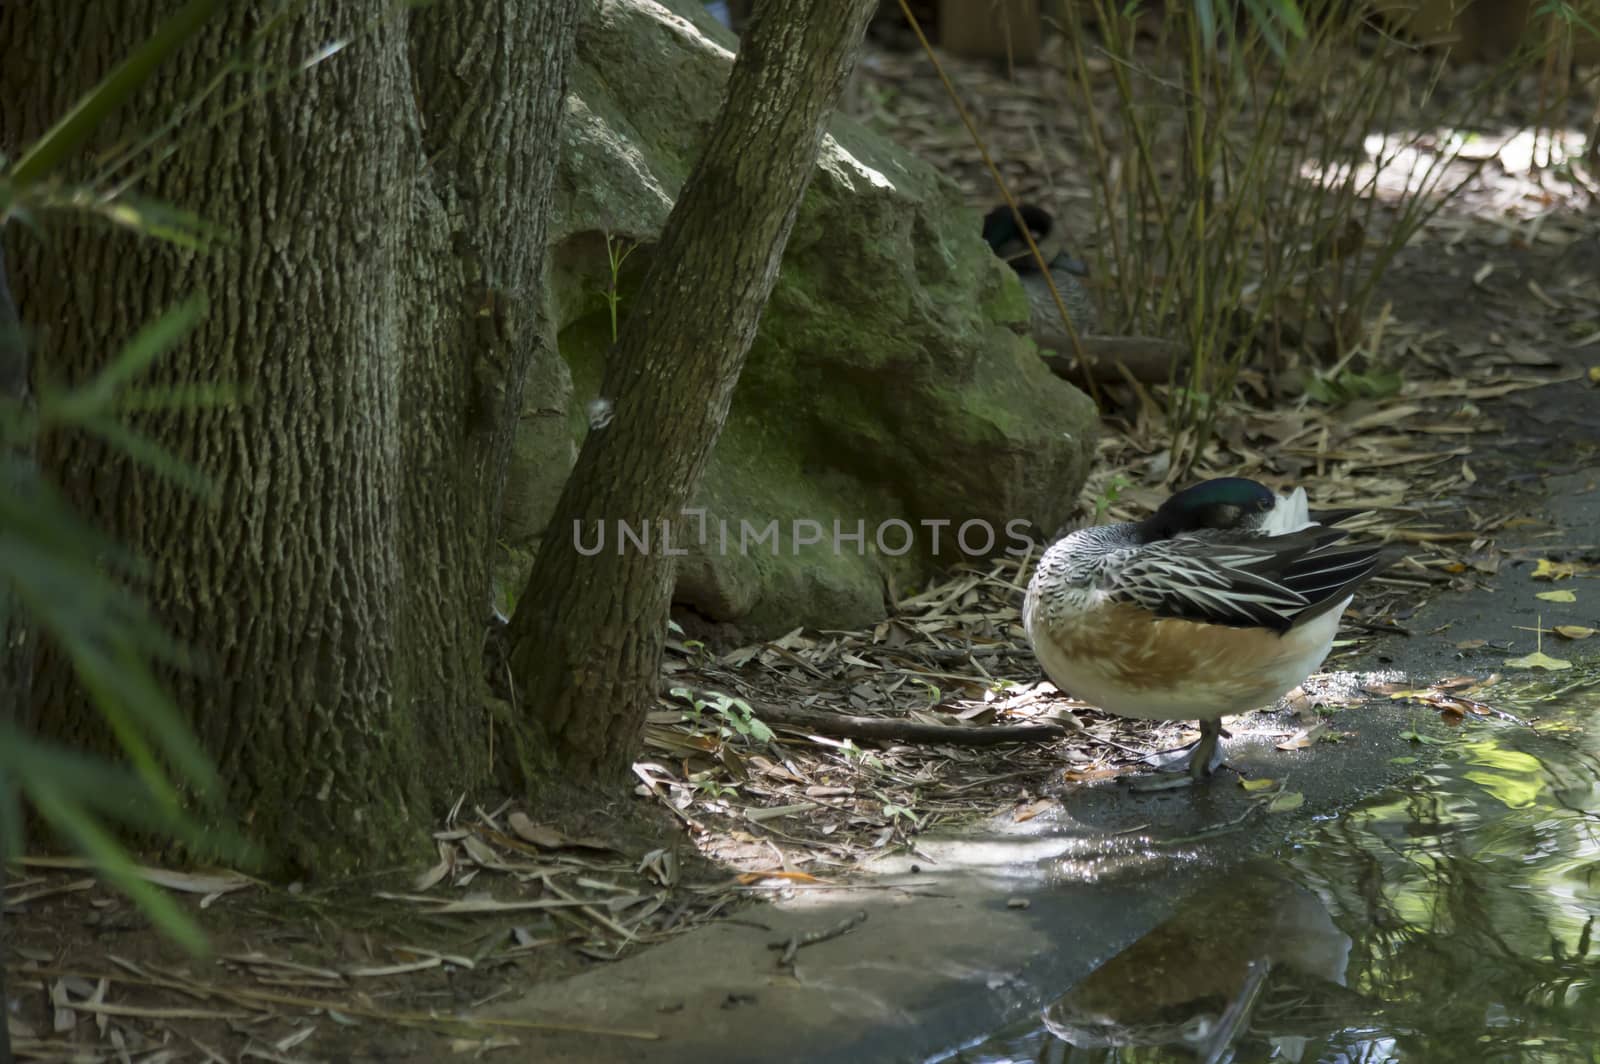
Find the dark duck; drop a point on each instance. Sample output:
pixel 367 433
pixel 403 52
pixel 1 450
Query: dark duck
pixel 1004 237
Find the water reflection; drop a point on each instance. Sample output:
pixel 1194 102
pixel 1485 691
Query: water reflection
pixel 1198 979
pixel 1450 919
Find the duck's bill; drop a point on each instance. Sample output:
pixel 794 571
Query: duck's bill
pixel 1015 252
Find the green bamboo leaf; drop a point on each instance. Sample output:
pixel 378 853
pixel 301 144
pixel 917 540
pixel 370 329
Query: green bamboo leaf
pixel 108 635
pixel 114 671
pixel 49 151
pixel 110 789
pixel 101 679
pixel 79 778
pixel 34 517
pixel 1567 13
pixel 45 586
pixel 180 397
pixel 1265 19
pixel 152 455
pixel 34 512
pixel 19 422
pixel 13 212
pixel 146 217
pixel 161 221
pixel 1288 11
pixel 86 835
pixel 147 345
pixel 1206 16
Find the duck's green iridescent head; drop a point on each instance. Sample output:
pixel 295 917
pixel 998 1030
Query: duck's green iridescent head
pixel 1001 232
pixel 1227 502
pixel 1005 238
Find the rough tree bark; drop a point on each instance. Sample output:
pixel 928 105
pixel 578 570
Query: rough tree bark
pixel 377 307
pixel 587 635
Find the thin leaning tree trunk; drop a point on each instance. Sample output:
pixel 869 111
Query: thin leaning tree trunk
pixel 588 635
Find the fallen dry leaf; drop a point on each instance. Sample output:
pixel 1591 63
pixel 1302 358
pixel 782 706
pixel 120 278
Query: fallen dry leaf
pixel 1549 570
pixel 1032 809
pixel 548 838
pixel 1282 803
pixel 747 878
pixel 434 875
pixel 480 1046
pixel 1573 631
pixel 1087 774
pixel 1557 596
pixel 1455 683
pixel 1304 737
pixel 1538 660
pixel 196 883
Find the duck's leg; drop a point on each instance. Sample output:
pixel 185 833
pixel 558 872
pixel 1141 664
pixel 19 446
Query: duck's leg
pixel 1205 759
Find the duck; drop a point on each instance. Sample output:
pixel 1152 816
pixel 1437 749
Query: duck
pixel 1220 602
pixel 1005 239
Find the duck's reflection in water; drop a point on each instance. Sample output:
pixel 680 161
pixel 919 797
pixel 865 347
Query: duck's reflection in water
pixel 1259 954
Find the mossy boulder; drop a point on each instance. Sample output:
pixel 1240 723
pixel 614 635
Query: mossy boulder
pixel 888 388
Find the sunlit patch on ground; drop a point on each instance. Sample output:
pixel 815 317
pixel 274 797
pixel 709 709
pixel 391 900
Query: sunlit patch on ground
pixel 1509 173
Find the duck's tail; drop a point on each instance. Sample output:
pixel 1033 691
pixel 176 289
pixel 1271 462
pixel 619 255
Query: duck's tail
pixel 1291 513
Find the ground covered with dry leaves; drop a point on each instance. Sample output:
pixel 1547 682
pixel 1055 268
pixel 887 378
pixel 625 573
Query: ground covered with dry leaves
pixel 750 784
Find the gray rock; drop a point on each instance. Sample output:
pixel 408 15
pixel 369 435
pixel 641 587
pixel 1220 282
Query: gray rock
pixel 887 382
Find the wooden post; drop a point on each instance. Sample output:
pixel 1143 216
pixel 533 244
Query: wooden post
pixel 991 29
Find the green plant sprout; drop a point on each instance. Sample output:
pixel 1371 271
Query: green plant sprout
pixel 896 813
pixel 735 715
pixel 704 783
pixel 1109 495
pixel 616 254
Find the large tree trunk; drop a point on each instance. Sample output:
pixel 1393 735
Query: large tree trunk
pixel 377 308
pixel 588 633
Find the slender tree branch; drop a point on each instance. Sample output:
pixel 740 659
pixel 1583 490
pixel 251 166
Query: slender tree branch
pixel 908 731
pixel 588 632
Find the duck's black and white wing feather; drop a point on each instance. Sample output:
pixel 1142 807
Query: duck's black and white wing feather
pixel 1243 580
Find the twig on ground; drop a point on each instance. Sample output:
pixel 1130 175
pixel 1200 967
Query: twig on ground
pixel 906 731
pixel 792 944
pixel 1148 359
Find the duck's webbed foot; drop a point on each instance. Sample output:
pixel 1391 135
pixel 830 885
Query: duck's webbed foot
pixel 1205 757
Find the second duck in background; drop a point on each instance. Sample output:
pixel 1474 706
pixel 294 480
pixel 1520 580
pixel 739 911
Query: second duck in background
pixel 1004 237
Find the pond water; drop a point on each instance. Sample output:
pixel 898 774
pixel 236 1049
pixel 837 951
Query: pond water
pixel 1448 919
